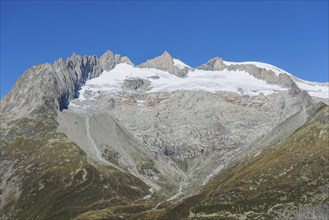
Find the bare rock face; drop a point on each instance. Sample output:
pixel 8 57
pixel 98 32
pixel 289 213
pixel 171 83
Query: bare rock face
pixel 56 83
pixel 134 83
pixel 165 62
pixel 267 75
pixel 214 64
pixel 108 60
pixel 217 64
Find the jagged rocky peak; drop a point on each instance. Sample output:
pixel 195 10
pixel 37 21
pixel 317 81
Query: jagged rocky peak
pixel 55 84
pixel 108 60
pixel 58 82
pixel 89 66
pixel 214 64
pixel 167 63
pixel 166 57
pixel 163 62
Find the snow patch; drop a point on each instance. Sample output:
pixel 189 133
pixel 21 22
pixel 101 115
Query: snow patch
pixel 266 66
pixel 73 105
pixel 140 102
pixel 151 190
pixel 180 65
pixel 314 89
pixel 211 175
pixel 198 80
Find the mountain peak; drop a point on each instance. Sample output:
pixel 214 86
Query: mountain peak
pixel 73 56
pixel 107 55
pixel 215 63
pixel 166 54
pixel 216 59
pixel 108 60
pixel 165 58
pixel 165 62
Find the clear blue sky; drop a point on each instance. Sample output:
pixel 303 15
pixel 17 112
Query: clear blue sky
pixel 291 35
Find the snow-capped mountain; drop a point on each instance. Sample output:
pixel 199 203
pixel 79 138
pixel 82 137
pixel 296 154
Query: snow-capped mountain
pixel 229 77
pixel 104 137
pixel 196 80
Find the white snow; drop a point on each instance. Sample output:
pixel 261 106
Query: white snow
pixel 180 64
pixel 266 66
pixel 151 190
pixel 212 174
pixel 140 102
pixel 198 80
pixel 82 92
pixel 73 105
pixel 314 89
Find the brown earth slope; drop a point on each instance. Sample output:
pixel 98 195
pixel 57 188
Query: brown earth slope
pixel 286 181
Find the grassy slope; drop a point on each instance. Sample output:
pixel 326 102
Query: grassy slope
pixel 53 178
pixel 284 178
pixel 57 182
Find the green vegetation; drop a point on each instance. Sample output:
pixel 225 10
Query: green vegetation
pixel 51 178
pixel 55 179
pixel 284 178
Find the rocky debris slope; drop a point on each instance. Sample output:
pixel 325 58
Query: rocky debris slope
pixel 288 180
pixel 44 175
pixel 113 144
pixel 188 136
pixel 198 136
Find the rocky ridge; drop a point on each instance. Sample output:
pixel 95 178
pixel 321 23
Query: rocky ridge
pixel 165 62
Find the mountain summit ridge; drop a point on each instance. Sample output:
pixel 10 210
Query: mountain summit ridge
pixel 66 77
pixel 77 64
